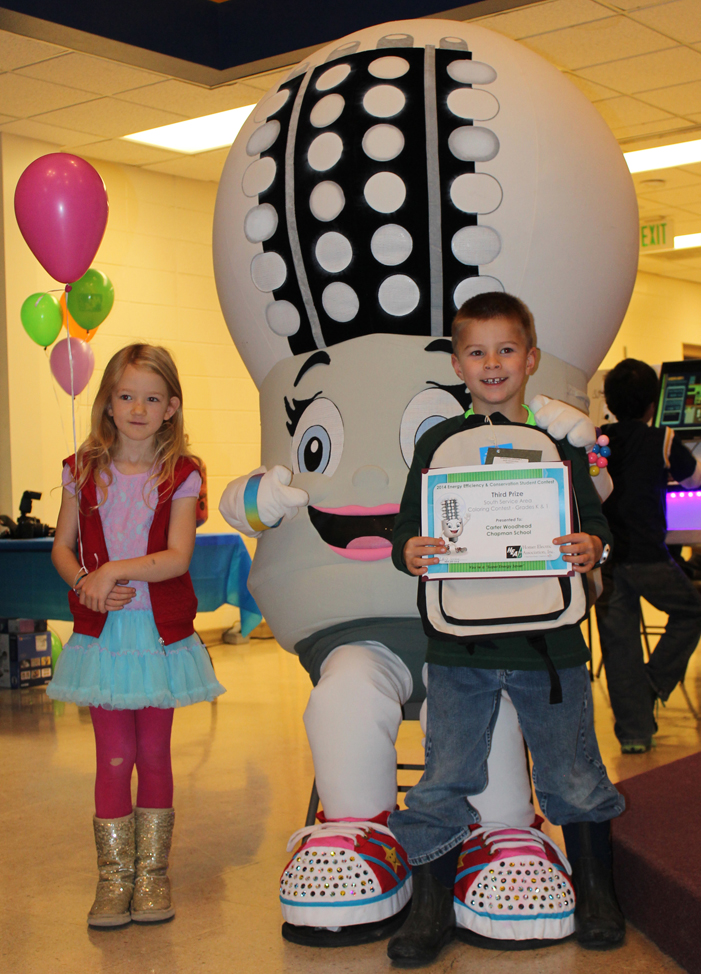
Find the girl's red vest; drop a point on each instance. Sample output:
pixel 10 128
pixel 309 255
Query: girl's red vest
pixel 173 601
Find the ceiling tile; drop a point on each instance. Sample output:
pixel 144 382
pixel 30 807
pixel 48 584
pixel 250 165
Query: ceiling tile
pixel 204 165
pixel 127 153
pixel 597 42
pixel 693 170
pixel 16 50
pixel 264 82
pixel 192 100
pixel 672 178
pixel 110 118
pixel 593 91
pixel 544 17
pixel 99 75
pixel 625 110
pixel 630 5
pixel 684 197
pixel 650 130
pixel 648 71
pixel 680 20
pixel 31 129
pixel 679 99
pixel 694 207
pixel 26 96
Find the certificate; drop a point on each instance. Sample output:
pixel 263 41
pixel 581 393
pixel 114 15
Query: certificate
pixel 498 521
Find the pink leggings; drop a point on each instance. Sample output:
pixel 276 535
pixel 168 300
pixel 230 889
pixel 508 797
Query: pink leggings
pixel 124 738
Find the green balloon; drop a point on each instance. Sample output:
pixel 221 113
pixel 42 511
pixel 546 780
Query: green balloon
pixel 42 318
pixel 90 299
pixel 56 647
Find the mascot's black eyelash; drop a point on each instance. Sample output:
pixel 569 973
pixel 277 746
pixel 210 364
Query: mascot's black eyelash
pixel 295 411
pixel 458 391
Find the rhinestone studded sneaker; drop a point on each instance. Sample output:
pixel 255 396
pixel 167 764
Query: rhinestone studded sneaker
pixel 347 883
pixel 513 885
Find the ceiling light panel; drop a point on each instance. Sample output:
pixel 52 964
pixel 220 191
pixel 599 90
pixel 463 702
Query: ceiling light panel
pixel 196 134
pixel 687 240
pixel 664 156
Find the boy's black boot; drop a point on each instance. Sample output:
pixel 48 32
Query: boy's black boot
pixel 599 922
pixel 430 924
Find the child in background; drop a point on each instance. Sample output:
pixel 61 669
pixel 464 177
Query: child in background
pixel 642 457
pixel 124 540
pixel 494 353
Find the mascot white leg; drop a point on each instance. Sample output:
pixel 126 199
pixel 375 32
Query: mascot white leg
pixel 349 878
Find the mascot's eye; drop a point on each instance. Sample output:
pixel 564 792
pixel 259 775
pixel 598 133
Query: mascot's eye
pixel 425 410
pixel 317 443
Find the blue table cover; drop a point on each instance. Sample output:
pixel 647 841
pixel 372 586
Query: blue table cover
pixel 31 588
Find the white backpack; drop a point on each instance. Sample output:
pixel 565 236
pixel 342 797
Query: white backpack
pixel 467 610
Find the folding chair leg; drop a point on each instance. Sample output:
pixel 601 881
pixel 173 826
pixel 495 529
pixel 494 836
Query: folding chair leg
pixel 313 805
pixel 689 704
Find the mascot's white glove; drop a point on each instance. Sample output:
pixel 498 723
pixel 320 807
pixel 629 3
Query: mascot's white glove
pixel 562 420
pixel 260 500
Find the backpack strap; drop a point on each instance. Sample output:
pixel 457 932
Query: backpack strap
pixel 538 643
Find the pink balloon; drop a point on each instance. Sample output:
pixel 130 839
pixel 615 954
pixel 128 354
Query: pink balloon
pixel 83 364
pixel 61 207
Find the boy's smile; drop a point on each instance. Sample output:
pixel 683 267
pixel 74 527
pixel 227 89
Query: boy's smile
pixel 493 360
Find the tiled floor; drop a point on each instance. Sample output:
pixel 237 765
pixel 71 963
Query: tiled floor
pixel 243 774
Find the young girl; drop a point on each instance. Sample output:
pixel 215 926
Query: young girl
pixel 124 540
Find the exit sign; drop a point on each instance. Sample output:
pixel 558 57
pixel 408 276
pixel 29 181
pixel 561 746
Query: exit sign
pixel 656 236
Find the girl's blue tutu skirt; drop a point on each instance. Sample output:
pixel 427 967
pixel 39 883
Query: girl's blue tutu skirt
pixel 127 668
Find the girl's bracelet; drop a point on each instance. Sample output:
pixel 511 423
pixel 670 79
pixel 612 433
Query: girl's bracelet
pixel 81 574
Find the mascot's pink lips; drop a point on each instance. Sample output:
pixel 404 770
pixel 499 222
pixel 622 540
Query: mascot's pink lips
pixel 355 532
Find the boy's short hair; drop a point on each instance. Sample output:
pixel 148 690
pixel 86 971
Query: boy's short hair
pixel 494 304
pixel 630 387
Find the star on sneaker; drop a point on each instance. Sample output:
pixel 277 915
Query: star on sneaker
pixel 344 874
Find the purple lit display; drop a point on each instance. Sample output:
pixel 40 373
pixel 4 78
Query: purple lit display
pixel 684 510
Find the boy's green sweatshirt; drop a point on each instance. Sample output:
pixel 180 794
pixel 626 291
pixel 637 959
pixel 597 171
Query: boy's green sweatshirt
pixel 566 646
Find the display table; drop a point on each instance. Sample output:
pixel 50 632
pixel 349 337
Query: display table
pixel 31 588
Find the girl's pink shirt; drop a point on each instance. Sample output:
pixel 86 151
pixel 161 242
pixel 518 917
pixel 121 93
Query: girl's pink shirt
pixel 126 518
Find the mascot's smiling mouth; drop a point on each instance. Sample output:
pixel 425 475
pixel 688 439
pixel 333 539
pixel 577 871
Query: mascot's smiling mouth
pixel 358 533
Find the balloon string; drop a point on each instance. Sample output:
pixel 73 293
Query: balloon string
pixel 75 446
pixel 58 404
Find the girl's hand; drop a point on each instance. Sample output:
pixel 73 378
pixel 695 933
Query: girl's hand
pixel 94 589
pixel 420 552
pixel 121 595
pixel 582 550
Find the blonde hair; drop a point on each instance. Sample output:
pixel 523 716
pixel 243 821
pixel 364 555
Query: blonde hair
pixel 95 454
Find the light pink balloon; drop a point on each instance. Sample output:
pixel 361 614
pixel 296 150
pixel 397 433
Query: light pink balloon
pixel 61 207
pixel 83 364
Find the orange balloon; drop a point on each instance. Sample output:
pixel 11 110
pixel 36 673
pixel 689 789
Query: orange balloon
pixel 74 328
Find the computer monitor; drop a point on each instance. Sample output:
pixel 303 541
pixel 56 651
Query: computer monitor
pixel 679 403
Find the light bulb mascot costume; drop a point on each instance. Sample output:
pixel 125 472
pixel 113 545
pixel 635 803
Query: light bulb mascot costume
pixel 390 177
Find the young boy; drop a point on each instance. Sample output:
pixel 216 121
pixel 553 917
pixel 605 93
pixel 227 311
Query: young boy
pixel 494 353
pixel 641 459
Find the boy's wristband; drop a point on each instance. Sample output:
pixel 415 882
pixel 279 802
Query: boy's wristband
pixel 604 556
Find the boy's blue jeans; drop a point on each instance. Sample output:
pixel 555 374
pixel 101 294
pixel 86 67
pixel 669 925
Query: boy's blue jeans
pixel 463 703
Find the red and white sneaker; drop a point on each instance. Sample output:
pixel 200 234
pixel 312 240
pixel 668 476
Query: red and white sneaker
pixel 513 884
pixel 344 874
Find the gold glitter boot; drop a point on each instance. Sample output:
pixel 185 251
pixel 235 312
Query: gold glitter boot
pixel 114 840
pixel 154 831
